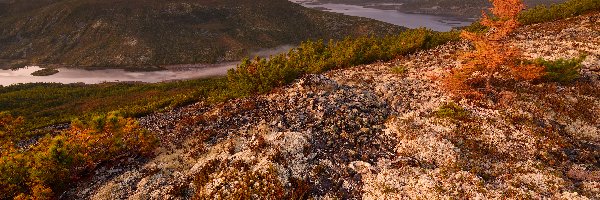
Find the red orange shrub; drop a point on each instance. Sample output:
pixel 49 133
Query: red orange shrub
pixel 55 161
pixel 493 58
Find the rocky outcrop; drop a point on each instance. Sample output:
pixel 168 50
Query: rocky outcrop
pixel 376 133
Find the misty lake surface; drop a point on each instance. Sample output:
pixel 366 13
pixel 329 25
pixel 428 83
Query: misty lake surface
pixel 68 75
pixel 436 23
pixel 173 72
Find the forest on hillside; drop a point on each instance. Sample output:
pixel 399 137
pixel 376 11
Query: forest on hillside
pixel 114 33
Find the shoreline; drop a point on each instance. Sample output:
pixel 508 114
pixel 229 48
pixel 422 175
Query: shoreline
pixel 88 76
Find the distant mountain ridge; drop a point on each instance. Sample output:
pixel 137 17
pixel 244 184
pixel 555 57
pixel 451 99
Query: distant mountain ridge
pixel 133 33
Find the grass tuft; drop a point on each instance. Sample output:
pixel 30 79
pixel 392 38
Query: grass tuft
pixel 452 110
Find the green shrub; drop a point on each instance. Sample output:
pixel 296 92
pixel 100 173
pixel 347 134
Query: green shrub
pixel 571 8
pixel 452 111
pixel 261 75
pixel 476 27
pixel 400 69
pixel 561 70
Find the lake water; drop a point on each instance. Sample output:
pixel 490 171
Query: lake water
pixel 67 75
pixel 174 72
pixel 436 23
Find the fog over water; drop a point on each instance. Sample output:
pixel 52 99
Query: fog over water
pixel 436 23
pixel 68 75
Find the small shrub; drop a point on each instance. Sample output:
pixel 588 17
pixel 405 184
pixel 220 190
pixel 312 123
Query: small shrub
pixel 476 27
pixel 400 69
pixel 561 70
pixel 453 111
pixel 9 128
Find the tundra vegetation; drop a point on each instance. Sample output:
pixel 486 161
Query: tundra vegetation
pixel 45 169
pixel 35 164
pixel 493 62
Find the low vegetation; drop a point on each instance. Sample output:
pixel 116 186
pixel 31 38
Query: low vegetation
pixel 561 70
pixel 571 8
pixel 400 69
pixel 48 167
pixel 34 166
pixel 261 74
pixel 452 110
pixel 48 104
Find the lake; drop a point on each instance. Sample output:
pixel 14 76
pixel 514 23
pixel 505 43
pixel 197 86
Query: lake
pixel 436 23
pixel 172 72
pixel 69 75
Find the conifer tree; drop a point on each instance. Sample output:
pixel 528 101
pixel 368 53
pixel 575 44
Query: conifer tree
pixel 493 58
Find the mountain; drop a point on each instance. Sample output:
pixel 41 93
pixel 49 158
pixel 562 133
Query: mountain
pixel 133 33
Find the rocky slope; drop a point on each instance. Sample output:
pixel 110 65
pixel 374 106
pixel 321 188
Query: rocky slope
pixel 371 132
pixel 146 33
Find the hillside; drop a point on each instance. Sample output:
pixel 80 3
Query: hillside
pixel 376 132
pixel 119 33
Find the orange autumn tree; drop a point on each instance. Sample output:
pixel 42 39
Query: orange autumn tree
pixel 493 58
